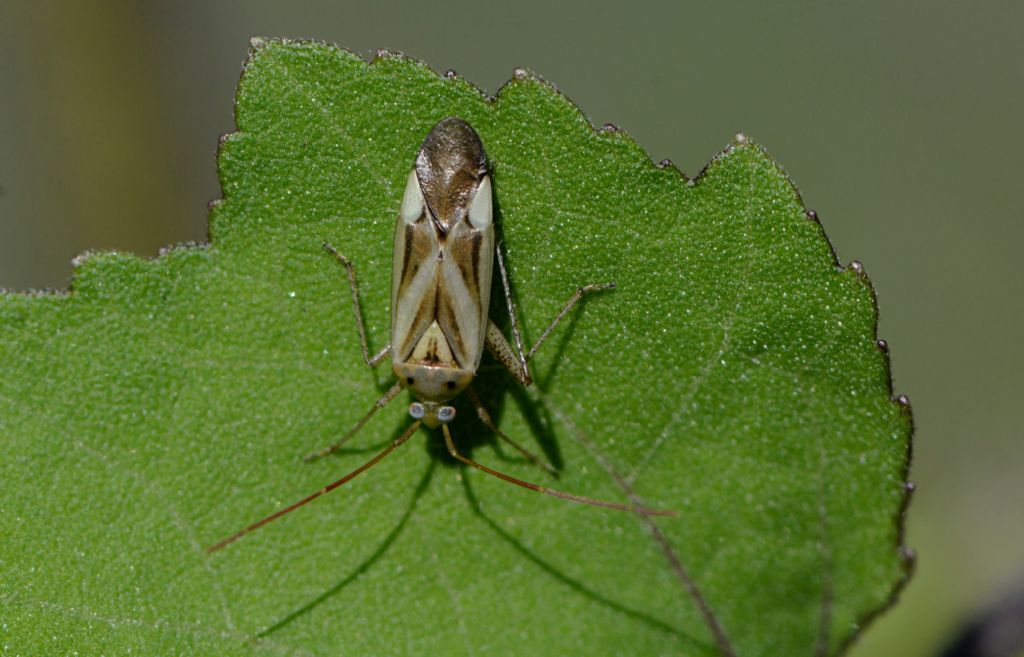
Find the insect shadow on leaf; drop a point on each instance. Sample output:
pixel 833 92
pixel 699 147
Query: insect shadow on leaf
pixel 576 585
pixel 363 566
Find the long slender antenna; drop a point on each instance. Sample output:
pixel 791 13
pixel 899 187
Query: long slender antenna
pixel 377 405
pixel 544 489
pixel 326 489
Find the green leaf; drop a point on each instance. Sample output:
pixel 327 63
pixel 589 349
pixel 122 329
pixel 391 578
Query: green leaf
pixel 733 376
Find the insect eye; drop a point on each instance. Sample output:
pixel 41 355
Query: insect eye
pixel 416 410
pixel 446 414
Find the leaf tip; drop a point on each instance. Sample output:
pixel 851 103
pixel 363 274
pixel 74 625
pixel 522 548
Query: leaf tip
pixel 385 54
pixel 169 249
pixel 909 557
pixel 906 411
pixel 856 267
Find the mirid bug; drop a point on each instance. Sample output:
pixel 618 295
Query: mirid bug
pixel 444 252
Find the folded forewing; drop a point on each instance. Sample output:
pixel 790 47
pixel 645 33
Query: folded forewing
pixel 465 291
pixel 413 286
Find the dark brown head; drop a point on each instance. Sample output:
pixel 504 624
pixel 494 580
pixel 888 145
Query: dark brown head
pixel 449 166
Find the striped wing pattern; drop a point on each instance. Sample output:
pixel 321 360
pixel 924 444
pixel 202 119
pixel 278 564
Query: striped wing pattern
pixel 444 279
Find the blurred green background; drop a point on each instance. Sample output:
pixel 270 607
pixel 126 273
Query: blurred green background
pixel 899 122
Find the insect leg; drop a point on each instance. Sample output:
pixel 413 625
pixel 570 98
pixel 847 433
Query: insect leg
pixel 499 347
pixel 326 489
pixel 516 362
pixel 485 417
pixel 520 370
pixel 450 444
pixel 377 405
pixel 573 300
pixel 371 361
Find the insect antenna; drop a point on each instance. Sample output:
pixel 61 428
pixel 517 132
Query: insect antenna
pixel 544 489
pixel 326 489
pixel 377 405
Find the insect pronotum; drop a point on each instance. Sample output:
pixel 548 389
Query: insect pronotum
pixel 440 290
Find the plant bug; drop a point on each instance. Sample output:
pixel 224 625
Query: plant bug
pixel 444 252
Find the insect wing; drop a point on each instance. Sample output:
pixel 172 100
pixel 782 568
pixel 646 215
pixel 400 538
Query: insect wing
pixel 465 290
pixel 447 280
pixel 414 273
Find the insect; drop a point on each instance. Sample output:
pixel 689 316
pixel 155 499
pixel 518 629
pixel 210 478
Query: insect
pixel 444 251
